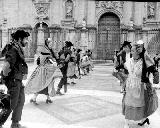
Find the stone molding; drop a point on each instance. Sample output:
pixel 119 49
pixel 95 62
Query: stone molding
pixel 26 26
pixel 68 23
pixel 103 7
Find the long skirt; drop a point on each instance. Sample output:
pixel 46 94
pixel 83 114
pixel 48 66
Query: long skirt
pixel 42 80
pixel 71 71
pixel 138 113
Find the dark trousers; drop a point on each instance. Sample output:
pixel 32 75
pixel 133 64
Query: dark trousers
pixel 16 91
pixel 63 80
pixel 79 71
pixel 156 64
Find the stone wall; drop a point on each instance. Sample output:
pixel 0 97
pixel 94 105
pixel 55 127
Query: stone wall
pixel 81 28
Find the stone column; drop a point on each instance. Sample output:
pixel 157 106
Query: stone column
pixel 4 36
pixel 131 36
pixel 145 38
pixel 40 38
pixel 84 40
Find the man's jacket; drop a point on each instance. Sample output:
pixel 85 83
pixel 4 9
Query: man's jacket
pixel 15 57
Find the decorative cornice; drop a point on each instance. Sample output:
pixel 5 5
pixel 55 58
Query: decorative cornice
pixel 55 26
pixel 68 23
pixel 90 26
pixel 26 26
pixel 41 1
pixel 109 4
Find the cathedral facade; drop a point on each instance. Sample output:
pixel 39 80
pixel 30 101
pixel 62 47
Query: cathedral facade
pixel 100 26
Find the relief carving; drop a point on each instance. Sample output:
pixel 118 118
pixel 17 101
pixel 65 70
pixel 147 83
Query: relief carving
pixel 151 9
pixel 69 9
pixel 109 4
pixel 42 7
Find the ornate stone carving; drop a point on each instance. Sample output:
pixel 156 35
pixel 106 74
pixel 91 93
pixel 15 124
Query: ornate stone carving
pixel 109 4
pixel 68 23
pixel 42 7
pixel 151 10
pixel 69 9
pixel 84 23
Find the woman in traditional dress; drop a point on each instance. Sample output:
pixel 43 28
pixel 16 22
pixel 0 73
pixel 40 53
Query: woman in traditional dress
pixel 137 100
pixel 42 79
pixel 71 72
pixel 85 63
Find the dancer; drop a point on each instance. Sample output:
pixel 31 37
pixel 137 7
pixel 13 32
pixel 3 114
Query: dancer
pixel 64 57
pixel 42 79
pixel 138 103
pixel 71 72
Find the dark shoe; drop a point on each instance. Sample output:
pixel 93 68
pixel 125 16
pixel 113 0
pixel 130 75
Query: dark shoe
pixel 34 102
pixel 73 83
pixel 48 101
pixel 75 76
pixel 59 93
pixel 17 125
pixel 146 121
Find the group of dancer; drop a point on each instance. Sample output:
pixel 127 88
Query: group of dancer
pixel 133 67
pixel 69 63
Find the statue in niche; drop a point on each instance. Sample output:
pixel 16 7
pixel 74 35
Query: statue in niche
pixel 151 11
pixel 84 23
pixel 69 9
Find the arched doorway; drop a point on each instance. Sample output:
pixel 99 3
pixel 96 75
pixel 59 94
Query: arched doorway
pixel 108 36
pixel 35 34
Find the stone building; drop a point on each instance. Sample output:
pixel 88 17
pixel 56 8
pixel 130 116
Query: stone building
pixel 97 25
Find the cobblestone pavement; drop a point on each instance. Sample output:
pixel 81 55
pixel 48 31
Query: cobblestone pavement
pixel 94 102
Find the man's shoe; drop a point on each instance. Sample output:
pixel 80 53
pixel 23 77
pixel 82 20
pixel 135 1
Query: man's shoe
pixel 34 102
pixel 17 125
pixel 48 101
pixel 73 83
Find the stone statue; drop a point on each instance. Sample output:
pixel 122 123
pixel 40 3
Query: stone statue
pixel 69 8
pixel 83 23
pixel 151 10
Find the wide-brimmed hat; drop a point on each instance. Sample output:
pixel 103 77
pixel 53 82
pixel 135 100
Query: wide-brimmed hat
pixel 79 50
pixel 20 34
pixel 68 44
pixel 126 43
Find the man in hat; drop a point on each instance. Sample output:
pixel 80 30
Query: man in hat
pixel 64 57
pixel 78 61
pixel 13 72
